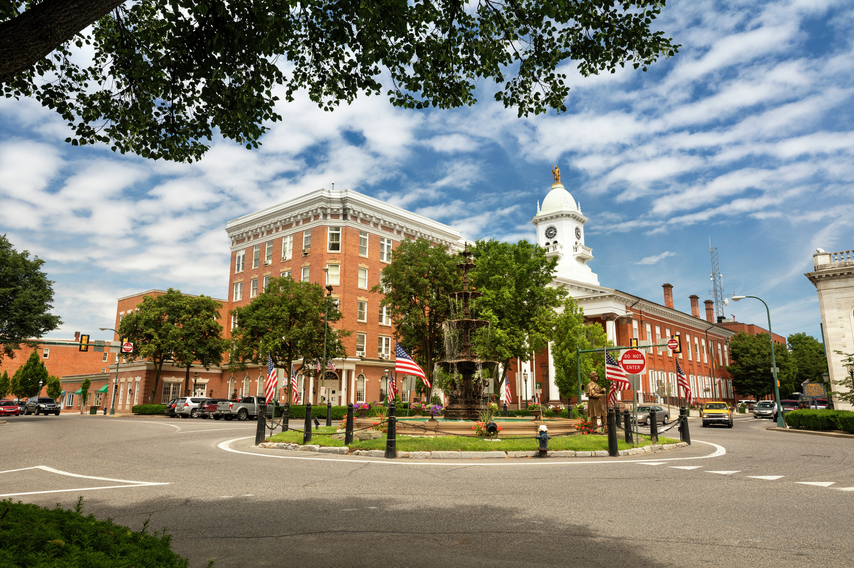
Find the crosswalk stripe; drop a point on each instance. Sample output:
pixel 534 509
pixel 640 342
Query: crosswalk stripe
pixel 844 488
pixel 723 472
pixel 652 463
pixel 766 477
pixel 817 483
pixel 686 466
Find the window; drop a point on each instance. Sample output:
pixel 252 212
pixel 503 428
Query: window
pixel 260 388
pixel 233 322
pixel 239 258
pixel 658 338
pixel 253 288
pixel 697 347
pixel 136 393
pixel 266 283
pixel 268 253
pixel 104 357
pixel 667 334
pixel 363 278
pixel 360 344
pixel 238 291
pixel 384 350
pixel 648 334
pixel 726 356
pixel 170 391
pixel 705 353
pixel 363 243
pixel 360 388
pixel 306 241
pixel 45 353
pixel 285 274
pixel 333 274
pixel 256 256
pixel 246 382
pixel 688 345
pixel 362 311
pixel 720 356
pixel 333 244
pixel 385 319
pixel 635 331
pixel 305 273
pixel 287 247
pixel 385 249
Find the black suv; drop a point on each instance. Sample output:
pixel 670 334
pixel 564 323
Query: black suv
pixel 41 405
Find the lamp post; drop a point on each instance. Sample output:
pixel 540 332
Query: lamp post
pixel 780 422
pixel 384 383
pixel 40 388
pixel 525 380
pixel 325 330
pixel 195 378
pixel 118 360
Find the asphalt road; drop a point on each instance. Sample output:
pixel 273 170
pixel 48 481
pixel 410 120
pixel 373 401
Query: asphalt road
pixel 737 497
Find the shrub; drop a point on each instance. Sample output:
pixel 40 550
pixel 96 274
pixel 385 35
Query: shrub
pixel 38 537
pixel 148 409
pixel 809 419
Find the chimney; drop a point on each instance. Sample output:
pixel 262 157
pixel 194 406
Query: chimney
pixel 710 311
pixel 668 295
pixel 695 305
pixel 76 336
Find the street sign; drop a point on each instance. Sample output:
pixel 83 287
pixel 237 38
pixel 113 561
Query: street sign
pixel 127 347
pixel 633 362
pixel 673 344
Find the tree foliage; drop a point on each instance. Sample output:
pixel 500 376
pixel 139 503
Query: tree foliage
pixel 808 356
pixel 286 321
pixel 751 366
pixel 417 285
pixel 517 300
pixel 25 299
pixel 5 384
pixel 54 387
pixel 199 335
pixel 848 382
pixel 165 73
pixel 84 393
pixel 29 376
pixel 571 334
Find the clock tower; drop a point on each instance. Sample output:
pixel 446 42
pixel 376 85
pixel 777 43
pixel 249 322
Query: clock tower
pixel 560 230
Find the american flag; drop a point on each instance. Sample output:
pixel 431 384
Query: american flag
pixel 508 398
pixel 616 374
pixel 294 386
pixel 404 363
pixel 392 388
pixel 682 381
pixel 272 379
pixel 612 396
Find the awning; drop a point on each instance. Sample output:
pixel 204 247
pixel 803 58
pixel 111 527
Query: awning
pixel 104 388
pixel 78 391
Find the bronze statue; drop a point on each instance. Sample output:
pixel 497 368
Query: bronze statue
pixel 596 402
pixel 556 173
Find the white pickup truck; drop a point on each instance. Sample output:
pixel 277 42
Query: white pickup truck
pixel 247 407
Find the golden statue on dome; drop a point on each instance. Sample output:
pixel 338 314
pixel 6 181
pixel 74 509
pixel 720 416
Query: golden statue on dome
pixel 556 174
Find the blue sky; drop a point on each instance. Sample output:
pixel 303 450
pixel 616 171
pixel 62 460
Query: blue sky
pixel 744 138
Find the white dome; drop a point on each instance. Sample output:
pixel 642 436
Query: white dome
pixel 558 199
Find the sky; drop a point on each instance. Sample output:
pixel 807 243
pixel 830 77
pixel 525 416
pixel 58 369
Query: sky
pixel 743 140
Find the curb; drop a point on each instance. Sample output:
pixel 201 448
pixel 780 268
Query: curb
pixel 828 433
pixel 444 455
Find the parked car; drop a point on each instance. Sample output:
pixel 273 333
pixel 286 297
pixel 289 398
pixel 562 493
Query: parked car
pixel 815 404
pixel 170 407
pixel 717 413
pixel 22 405
pixel 661 415
pixel 207 409
pixel 189 407
pixel 788 406
pixel 41 405
pixel 750 404
pixel 247 407
pixel 764 409
pixel 9 408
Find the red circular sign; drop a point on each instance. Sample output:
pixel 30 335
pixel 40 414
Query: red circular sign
pixel 127 347
pixel 672 344
pixel 633 362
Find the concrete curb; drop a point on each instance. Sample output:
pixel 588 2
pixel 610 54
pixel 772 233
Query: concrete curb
pixel 831 434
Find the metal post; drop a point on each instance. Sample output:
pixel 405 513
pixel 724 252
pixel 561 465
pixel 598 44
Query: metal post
pixel 627 426
pixel 306 434
pixel 348 432
pixel 653 426
pixel 328 410
pixel 684 434
pixel 505 410
pixel 391 435
pixel 286 416
pixel 613 448
pixel 261 429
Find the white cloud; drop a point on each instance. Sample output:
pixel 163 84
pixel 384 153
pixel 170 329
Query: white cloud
pixel 655 259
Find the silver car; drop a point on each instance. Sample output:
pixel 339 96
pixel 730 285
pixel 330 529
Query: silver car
pixel 662 416
pixel 764 409
pixel 189 407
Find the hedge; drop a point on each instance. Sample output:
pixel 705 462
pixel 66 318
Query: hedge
pixel 38 537
pixel 148 409
pixel 807 419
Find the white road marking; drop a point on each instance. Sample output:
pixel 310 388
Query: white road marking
pixel 685 466
pixel 844 488
pixel 652 463
pixel 766 477
pixel 723 472
pixel 817 483
pixel 127 482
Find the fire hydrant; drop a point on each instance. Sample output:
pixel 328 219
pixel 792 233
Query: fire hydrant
pixel 543 439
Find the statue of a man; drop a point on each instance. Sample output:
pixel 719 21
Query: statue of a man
pixel 596 404
pixel 556 173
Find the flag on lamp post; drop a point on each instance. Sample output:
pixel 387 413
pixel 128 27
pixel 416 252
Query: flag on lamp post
pixel 294 388
pixel 272 380
pixel 682 382
pixel 406 365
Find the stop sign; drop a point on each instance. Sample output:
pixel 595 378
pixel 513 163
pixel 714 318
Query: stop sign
pixel 633 362
pixel 673 344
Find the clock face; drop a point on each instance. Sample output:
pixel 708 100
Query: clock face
pixel 551 232
pixel 578 232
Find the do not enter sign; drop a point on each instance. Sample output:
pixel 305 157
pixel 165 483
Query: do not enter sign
pixel 633 362
pixel 673 344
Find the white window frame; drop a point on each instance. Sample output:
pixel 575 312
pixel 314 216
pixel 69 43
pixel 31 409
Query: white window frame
pixel 384 316
pixel 305 274
pixel 333 239
pixel 362 311
pixel 667 333
pixel 256 256
pixel 363 339
pixel 333 274
pixel 385 249
pixel 720 356
pixel 306 241
pixel 690 348
pixel 239 262
pixel 287 247
pixel 658 338
pixel 253 287
pixel 46 353
pixel 238 291
pixel 363 243
pixel 104 357
pixel 266 283
pixel 247 382
pixel 360 388
pixel 363 278
pixel 384 347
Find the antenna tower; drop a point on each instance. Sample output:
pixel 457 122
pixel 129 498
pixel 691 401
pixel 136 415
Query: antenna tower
pixel 716 277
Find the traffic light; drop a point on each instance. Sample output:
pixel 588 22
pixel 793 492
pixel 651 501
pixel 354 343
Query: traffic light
pixel 84 343
pixel 633 342
pixel 678 339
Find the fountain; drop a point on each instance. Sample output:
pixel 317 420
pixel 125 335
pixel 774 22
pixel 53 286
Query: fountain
pixel 466 396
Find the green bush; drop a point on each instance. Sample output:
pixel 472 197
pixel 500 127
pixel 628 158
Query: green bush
pixel 807 419
pixel 148 409
pixel 38 537
pixel 317 410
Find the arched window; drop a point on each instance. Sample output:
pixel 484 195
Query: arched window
pixel 262 385
pixel 360 388
pixel 246 382
pixel 232 393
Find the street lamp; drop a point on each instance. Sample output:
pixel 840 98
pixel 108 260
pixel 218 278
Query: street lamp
pixel 195 378
pixel 118 360
pixel 525 380
pixel 325 331
pixel 40 388
pixel 780 422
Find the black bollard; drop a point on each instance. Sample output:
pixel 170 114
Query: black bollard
pixel 329 413
pixel 627 425
pixel 261 430
pixel 348 432
pixel 505 410
pixel 391 435
pixel 286 416
pixel 653 426
pixel 684 434
pixel 306 434
pixel 613 449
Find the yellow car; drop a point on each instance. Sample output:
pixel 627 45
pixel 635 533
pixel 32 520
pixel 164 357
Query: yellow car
pixel 717 413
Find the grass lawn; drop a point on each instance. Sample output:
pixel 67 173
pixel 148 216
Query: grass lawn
pixel 589 443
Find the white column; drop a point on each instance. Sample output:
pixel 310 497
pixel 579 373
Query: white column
pixel 309 394
pixel 554 396
pixel 611 330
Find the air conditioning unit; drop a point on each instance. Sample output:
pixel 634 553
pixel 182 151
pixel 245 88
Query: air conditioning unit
pixel 382 356
pixel 305 252
pixel 267 263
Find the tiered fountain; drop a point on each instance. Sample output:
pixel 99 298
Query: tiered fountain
pixel 461 362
